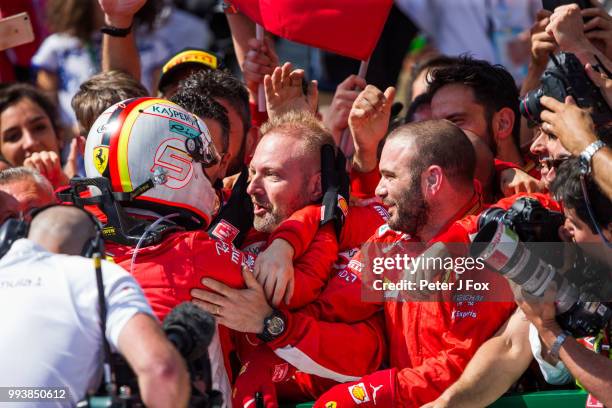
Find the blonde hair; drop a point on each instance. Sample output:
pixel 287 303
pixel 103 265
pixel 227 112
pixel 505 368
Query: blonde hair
pixel 303 126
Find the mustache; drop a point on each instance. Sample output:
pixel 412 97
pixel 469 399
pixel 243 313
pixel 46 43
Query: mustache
pixel 266 205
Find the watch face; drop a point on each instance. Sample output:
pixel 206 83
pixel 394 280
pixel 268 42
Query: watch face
pixel 276 325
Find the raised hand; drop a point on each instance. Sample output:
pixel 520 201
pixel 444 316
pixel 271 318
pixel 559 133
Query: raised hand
pixel 336 117
pixel 48 164
pixel 598 29
pixel 542 43
pixel 120 13
pixel 284 91
pixel 369 122
pixel 260 60
pixel 571 124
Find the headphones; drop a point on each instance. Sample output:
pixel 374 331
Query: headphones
pixel 15 228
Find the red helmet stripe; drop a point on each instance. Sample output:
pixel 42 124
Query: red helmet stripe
pixel 113 158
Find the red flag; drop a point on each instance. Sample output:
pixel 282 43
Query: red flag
pixel 346 27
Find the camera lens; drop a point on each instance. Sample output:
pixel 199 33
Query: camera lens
pixel 491 214
pixel 530 106
pixel 501 250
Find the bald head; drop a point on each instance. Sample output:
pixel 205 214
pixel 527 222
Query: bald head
pixel 441 143
pixel 62 229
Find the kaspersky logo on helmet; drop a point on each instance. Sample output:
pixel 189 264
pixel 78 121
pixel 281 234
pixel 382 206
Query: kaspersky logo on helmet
pixel 173 113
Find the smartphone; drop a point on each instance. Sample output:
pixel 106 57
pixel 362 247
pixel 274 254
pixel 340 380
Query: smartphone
pixel 15 30
pixel 551 5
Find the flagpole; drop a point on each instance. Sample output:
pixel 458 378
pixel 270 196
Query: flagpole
pixel 346 140
pixel 261 93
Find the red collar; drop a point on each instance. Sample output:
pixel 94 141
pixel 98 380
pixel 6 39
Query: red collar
pixel 472 207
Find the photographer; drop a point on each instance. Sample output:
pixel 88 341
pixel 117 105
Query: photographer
pixel 56 295
pixel 574 128
pixel 572 125
pixel 594 371
pixel 564 30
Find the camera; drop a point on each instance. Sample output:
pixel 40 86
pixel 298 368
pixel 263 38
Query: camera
pixel 530 219
pixel 501 244
pixel 566 77
pixel 190 330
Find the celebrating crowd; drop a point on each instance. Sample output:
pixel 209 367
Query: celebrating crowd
pixel 175 234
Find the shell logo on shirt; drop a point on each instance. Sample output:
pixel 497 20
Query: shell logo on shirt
pixel 358 393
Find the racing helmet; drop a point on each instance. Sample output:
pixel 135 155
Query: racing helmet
pixel 154 151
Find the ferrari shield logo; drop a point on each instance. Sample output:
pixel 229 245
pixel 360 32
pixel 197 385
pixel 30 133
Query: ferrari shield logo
pixel 100 158
pixel 331 404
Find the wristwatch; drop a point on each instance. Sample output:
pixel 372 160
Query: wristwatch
pixel 556 346
pixel 587 155
pixel 116 31
pixel 274 326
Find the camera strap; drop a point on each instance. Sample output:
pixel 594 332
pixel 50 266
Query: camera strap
pixel 587 201
pixel 109 373
pixel 601 67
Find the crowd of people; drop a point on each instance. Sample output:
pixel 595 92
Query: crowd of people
pixel 143 192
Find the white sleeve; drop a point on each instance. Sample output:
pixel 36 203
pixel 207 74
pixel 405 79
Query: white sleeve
pixel 124 299
pixel 46 55
pixel 557 374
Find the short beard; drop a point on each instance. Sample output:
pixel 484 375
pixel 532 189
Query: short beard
pixel 411 210
pixel 271 220
pixel 268 222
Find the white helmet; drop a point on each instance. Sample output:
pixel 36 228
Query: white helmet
pixel 141 140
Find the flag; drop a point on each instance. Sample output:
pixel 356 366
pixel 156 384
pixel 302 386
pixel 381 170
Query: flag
pixel 346 27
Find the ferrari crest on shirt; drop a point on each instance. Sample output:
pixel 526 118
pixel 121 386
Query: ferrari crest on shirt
pixel 358 393
pixel 100 159
pixel 331 404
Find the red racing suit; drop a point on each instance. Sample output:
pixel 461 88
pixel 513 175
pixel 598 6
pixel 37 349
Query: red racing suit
pixel 430 342
pixel 168 270
pixel 330 306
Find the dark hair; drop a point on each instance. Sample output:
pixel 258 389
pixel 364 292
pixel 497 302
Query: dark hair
pixel 414 106
pixel 12 93
pixel 205 107
pixel 441 143
pixel 102 91
pixel 438 61
pixel 220 84
pixel 493 86
pixel 566 188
